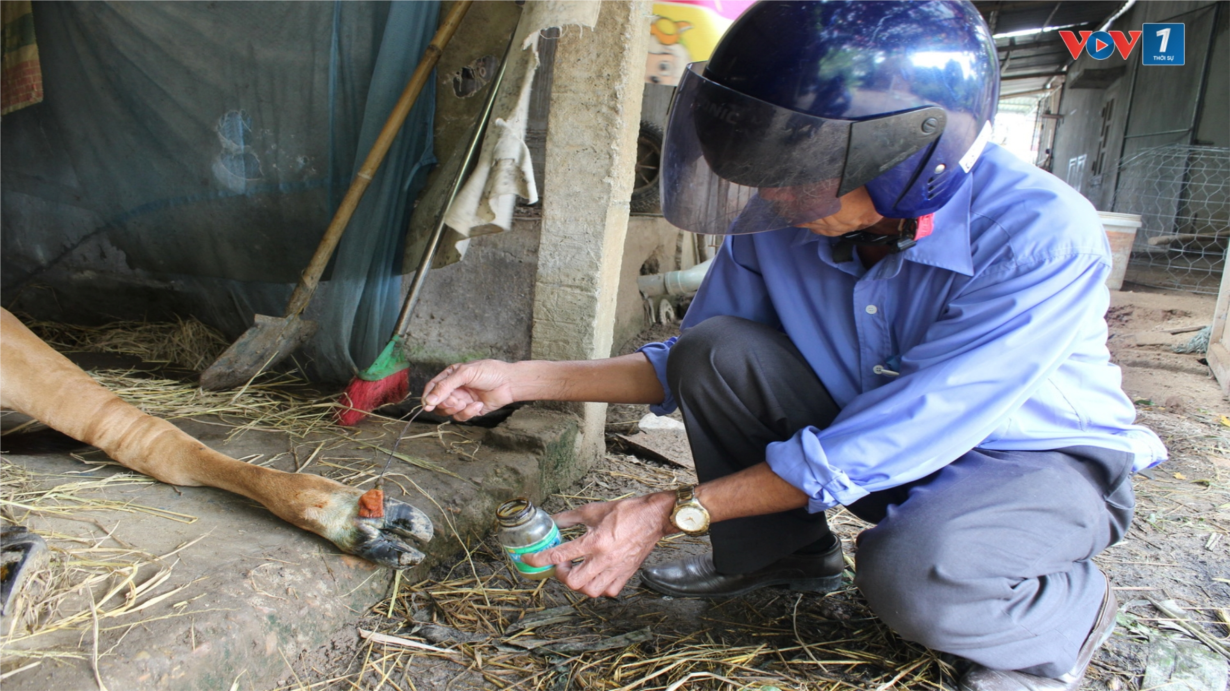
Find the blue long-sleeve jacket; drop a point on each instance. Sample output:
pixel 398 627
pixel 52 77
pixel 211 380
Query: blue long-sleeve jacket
pixel 988 333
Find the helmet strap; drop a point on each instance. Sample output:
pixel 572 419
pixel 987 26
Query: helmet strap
pixel 901 241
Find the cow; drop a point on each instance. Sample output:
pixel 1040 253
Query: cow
pixel 40 382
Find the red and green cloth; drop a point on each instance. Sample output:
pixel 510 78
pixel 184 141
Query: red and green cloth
pixel 21 76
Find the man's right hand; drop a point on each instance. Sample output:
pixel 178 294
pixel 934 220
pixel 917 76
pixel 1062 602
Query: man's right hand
pixel 476 388
pixel 470 389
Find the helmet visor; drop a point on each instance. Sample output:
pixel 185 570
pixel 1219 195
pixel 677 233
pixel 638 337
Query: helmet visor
pixel 734 164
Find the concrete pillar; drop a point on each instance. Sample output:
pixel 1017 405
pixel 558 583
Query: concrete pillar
pixel 591 148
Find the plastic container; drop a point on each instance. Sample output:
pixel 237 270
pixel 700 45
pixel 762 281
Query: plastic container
pixel 526 529
pixel 1121 233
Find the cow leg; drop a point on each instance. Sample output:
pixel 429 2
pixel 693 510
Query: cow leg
pixel 38 381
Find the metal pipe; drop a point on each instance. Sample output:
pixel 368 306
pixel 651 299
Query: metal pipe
pixel 1156 134
pixel 1198 114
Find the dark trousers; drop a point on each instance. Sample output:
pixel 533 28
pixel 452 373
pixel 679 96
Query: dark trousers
pixel 987 558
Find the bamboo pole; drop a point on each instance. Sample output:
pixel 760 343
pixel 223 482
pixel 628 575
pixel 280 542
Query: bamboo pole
pixel 311 275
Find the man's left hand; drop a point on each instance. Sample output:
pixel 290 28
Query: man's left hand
pixel 620 535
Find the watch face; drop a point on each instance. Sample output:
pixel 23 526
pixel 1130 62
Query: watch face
pixel 690 518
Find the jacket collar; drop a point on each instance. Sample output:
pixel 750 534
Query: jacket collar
pixel 947 247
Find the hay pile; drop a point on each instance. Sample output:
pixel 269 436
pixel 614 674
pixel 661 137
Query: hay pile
pixel 489 629
pixel 475 625
pixel 186 343
pixel 92 577
pixel 89 580
pixel 272 402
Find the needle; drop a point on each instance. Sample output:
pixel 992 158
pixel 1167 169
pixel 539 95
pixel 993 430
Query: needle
pixel 393 451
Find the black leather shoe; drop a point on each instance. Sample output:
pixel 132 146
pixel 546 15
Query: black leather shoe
pixel 697 577
pixel 980 678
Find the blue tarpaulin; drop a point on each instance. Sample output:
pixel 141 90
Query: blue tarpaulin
pixel 188 156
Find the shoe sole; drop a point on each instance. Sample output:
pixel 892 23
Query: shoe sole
pixel 822 584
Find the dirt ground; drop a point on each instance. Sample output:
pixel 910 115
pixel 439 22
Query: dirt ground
pixel 471 625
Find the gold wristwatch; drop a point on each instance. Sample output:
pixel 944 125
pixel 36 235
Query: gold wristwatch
pixel 689 516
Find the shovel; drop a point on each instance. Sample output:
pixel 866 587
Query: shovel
pixel 272 339
pixel 24 554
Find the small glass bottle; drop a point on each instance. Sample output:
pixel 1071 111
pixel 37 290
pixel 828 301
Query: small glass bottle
pixel 526 529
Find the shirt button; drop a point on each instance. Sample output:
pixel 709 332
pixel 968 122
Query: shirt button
pixel 878 369
pixel 871 309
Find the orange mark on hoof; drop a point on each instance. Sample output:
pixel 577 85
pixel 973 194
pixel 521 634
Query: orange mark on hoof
pixel 371 504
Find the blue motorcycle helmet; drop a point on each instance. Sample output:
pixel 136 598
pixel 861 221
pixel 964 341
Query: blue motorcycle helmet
pixel 816 99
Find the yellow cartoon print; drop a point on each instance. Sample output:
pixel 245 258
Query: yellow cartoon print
pixel 680 33
pixel 667 56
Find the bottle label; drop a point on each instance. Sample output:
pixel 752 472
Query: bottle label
pixel 515 553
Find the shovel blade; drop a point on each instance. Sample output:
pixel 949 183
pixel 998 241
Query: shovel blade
pixel 25 554
pixel 269 341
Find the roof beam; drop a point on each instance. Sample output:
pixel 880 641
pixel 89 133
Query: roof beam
pixel 1039 54
pixel 1003 66
pixel 1056 41
pixel 1020 5
pixel 1031 75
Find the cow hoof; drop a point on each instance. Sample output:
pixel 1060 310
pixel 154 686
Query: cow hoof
pixel 384 540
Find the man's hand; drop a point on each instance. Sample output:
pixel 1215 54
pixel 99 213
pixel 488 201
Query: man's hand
pixel 477 388
pixel 470 389
pixel 621 534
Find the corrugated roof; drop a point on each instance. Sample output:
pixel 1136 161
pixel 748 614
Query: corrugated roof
pixel 1012 17
pixel 1031 61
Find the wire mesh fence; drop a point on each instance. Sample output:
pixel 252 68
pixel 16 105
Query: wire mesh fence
pixel 1182 194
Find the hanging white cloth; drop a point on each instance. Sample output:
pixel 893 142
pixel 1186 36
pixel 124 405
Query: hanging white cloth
pixel 504 170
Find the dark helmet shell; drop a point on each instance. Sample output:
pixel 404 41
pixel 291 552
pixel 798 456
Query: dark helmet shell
pixel 863 60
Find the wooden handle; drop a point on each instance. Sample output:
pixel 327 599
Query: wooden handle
pixel 311 275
